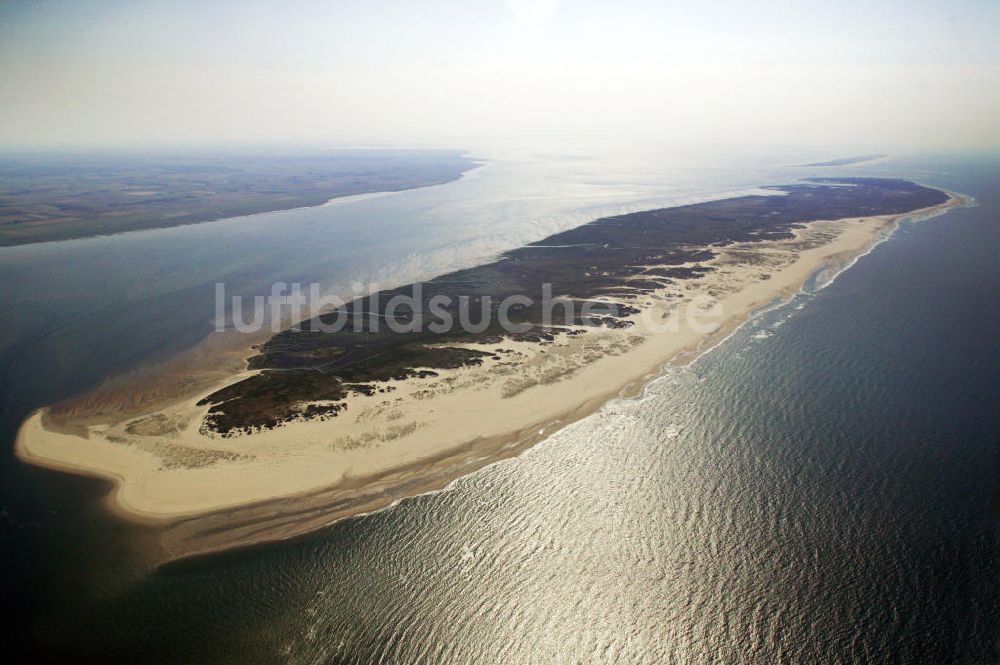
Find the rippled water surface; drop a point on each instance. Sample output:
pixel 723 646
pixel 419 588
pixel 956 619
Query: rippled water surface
pixel 816 489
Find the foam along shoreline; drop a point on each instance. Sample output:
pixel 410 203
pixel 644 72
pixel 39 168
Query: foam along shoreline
pixel 212 493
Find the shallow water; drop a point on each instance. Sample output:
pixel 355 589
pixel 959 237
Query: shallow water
pixel 816 489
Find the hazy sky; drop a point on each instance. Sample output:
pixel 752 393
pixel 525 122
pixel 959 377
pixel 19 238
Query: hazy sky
pixel 885 73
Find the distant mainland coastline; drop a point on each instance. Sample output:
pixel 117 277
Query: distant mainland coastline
pixel 846 161
pixel 65 195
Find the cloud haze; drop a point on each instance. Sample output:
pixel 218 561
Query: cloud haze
pixel 905 73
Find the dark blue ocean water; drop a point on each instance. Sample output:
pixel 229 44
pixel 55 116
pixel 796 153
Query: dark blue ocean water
pixel 821 488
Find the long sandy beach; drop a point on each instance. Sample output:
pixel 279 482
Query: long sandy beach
pixel 417 434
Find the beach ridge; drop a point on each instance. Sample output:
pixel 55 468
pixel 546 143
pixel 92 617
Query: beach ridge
pixel 209 493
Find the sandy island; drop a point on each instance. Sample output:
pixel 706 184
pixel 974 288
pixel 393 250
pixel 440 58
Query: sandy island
pixel 211 493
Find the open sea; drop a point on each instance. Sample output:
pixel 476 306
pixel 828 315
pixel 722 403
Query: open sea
pixel 822 487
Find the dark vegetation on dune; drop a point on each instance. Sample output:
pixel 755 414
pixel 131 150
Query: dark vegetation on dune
pixel 622 256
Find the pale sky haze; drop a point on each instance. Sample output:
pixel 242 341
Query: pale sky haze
pixel 891 74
